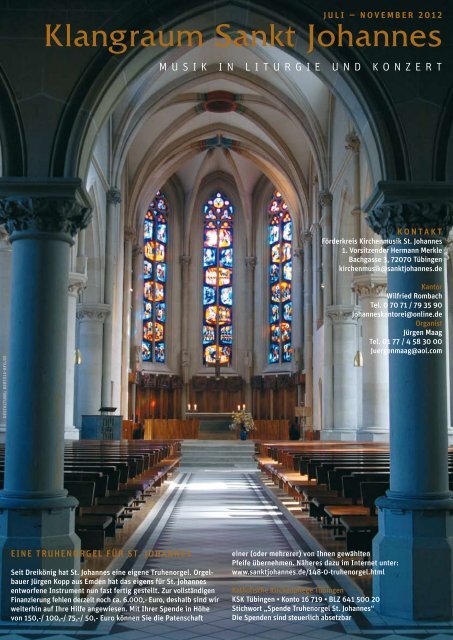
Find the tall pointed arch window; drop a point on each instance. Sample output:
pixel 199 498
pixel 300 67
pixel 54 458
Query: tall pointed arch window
pixel 155 268
pixel 218 281
pixel 280 235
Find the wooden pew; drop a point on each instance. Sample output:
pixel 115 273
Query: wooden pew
pixel 91 531
pixel 360 530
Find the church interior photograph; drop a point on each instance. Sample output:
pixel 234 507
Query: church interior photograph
pixel 196 320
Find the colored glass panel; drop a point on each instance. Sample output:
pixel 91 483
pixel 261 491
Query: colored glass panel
pixel 226 257
pixel 155 238
pixel 226 335
pixel 218 280
pixel 208 295
pixel 209 257
pixel 208 335
pixel 161 312
pixel 147 269
pixel 226 295
pixel 274 315
pixel 280 234
pixel 274 273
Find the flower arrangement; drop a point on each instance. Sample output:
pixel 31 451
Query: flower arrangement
pixel 242 419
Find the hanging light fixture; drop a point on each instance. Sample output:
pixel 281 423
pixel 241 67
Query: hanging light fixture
pixel 358 359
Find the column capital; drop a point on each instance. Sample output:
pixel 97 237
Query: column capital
pixel 129 234
pixel 4 239
pixel 185 357
pixel 53 205
pixel 92 312
pixel 370 285
pixel 298 252
pixel 184 260
pixel 449 249
pixel 113 196
pixel 77 282
pixel 250 262
pixel 400 208
pixel 343 314
pixel 325 199
pixel 392 219
pixel 306 236
pixel 352 142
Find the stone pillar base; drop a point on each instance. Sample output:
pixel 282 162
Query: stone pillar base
pixel 38 535
pixel 420 541
pixel 341 435
pixel 351 435
pixel 71 433
pixel 373 435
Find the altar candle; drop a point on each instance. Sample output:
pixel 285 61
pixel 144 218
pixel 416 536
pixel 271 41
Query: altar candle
pixel 243 407
pixel 239 407
pixel 188 407
pixel 195 407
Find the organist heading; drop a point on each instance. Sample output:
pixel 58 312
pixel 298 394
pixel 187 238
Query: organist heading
pixel 119 41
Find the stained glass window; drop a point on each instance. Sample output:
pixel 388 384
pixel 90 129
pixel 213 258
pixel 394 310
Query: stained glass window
pixel 218 281
pixel 280 235
pixel 155 266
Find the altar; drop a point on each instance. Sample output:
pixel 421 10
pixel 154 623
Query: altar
pixel 213 426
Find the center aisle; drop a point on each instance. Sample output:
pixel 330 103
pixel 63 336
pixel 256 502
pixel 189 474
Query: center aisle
pixel 175 578
pixel 212 515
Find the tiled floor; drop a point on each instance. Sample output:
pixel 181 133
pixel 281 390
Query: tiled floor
pixel 213 514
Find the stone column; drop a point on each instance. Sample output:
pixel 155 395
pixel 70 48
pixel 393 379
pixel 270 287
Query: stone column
pixel 372 290
pixel 77 281
pixel 449 339
pixel 317 275
pixel 185 352
pixel 81 259
pixel 134 398
pixel 5 295
pixel 298 328
pixel 345 388
pixel 325 201
pixel 129 236
pixel 111 230
pixel 35 510
pixel 416 516
pixel 308 324
pixel 353 145
pixel 136 319
pixel 91 319
pixel 250 264
pixel 298 294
